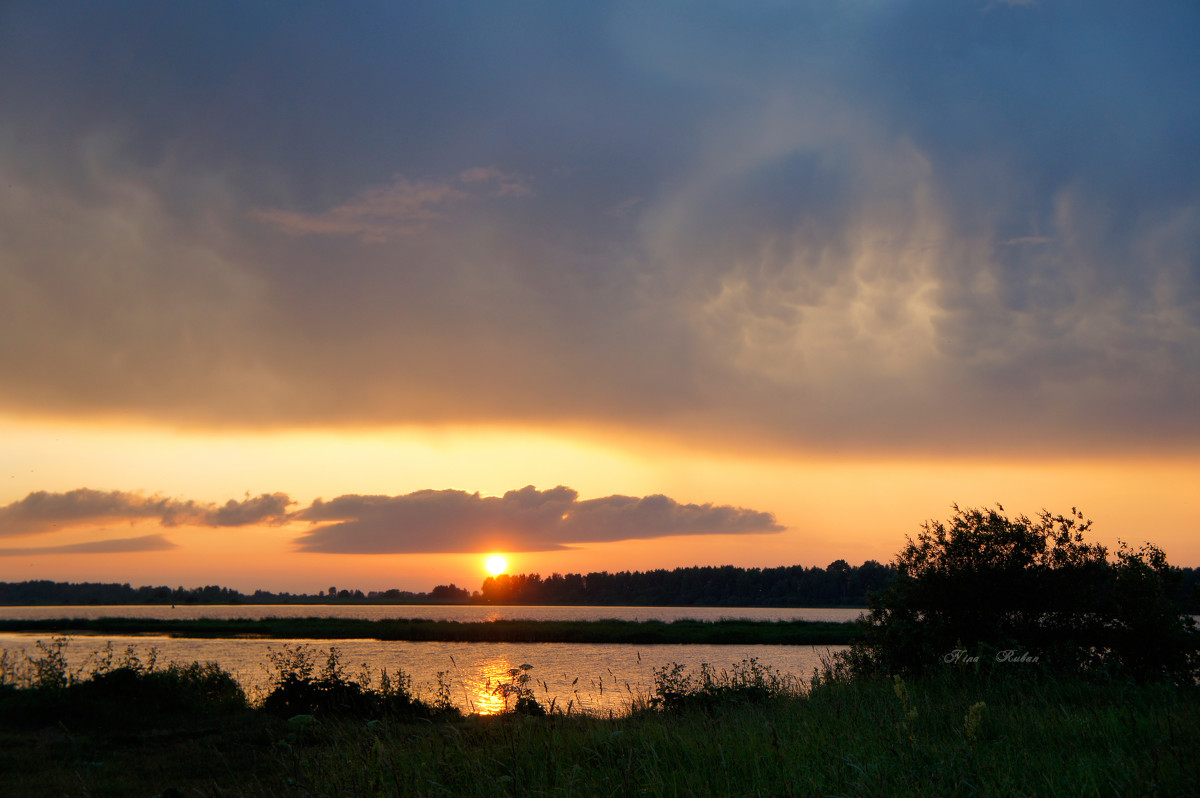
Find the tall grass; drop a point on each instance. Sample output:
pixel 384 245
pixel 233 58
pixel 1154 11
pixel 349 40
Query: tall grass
pixel 748 730
pixel 941 737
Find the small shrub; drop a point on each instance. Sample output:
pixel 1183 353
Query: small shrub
pixel 49 670
pixel 517 687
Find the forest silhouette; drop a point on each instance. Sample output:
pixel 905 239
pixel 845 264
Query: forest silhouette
pixel 837 585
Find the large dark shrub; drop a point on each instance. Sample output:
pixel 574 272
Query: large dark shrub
pixel 127 696
pixel 176 690
pixel 297 689
pixel 984 589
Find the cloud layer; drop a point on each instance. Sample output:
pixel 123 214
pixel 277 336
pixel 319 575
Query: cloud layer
pixel 808 226
pixel 139 543
pixel 41 512
pixel 520 520
pixel 443 521
pixel 402 208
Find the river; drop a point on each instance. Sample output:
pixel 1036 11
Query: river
pixel 598 678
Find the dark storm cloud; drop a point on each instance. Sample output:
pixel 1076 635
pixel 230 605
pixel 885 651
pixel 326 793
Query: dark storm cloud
pixel 42 511
pixel 446 521
pixel 113 546
pixel 900 226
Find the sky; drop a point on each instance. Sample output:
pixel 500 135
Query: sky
pixel 294 295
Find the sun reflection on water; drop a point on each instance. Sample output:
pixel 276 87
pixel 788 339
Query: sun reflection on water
pixel 481 685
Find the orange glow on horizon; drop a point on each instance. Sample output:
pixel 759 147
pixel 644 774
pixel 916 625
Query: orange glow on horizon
pixel 834 508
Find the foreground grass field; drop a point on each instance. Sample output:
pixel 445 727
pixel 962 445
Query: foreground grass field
pixel 857 740
pixel 187 731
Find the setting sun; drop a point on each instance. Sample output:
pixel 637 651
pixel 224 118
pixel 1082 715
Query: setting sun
pixel 496 564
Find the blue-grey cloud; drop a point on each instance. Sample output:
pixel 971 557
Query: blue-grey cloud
pixel 43 511
pixel 446 521
pixel 112 546
pixel 813 225
pixel 401 208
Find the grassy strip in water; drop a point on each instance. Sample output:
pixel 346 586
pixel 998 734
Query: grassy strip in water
pixel 734 632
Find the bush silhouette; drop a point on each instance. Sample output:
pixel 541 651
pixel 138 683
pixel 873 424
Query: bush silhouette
pixel 127 696
pixel 296 690
pixel 996 589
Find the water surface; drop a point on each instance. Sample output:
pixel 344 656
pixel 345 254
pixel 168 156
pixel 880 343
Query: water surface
pixel 592 677
pixel 599 678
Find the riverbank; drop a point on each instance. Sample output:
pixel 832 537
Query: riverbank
pixel 722 632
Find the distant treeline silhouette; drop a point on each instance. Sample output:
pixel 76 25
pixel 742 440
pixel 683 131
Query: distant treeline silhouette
pixel 46 592
pixel 838 584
